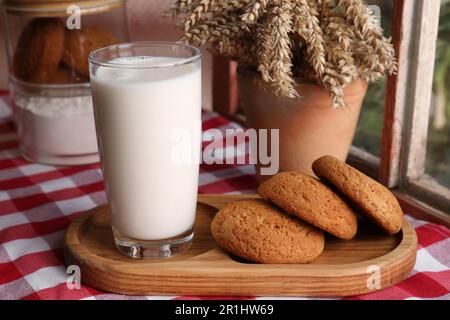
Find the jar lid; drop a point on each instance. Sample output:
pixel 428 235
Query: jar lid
pixel 59 7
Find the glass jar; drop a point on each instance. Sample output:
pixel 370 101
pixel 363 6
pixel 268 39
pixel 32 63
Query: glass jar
pixel 48 43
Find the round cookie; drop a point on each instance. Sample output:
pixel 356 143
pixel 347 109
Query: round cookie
pixel 310 200
pixel 39 50
pixel 79 43
pixel 372 198
pixel 258 231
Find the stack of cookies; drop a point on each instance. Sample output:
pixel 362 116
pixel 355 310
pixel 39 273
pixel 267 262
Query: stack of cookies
pixel 47 52
pixel 287 224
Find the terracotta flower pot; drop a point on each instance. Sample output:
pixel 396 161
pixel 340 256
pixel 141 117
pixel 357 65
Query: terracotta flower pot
pixel 309 127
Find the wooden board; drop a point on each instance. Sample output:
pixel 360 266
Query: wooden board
pixel 343 269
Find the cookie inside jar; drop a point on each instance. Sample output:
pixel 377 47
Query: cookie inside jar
pixel 55 49
pixel 48 44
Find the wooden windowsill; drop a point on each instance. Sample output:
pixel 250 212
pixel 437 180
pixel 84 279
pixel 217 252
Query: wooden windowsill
pixel 421 210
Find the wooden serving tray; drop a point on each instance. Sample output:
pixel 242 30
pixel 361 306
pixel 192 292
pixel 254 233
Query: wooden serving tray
pixel 344 269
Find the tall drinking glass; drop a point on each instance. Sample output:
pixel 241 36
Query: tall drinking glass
pixel 147 106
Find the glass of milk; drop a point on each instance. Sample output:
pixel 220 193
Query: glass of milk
pixel 147 106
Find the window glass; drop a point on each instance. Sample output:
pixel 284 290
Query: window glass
pixel 438 150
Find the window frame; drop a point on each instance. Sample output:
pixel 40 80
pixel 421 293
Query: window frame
pixel 408 104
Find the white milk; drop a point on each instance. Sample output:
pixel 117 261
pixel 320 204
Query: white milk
pixel 137 112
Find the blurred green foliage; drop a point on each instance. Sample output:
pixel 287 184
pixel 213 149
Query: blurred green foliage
pixel 438 149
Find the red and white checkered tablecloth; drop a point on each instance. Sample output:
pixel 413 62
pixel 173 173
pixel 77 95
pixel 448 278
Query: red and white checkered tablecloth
pixel 37 203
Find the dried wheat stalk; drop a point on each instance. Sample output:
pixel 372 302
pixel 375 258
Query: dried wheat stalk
pixel 274 49
pixel 332 42
pixel 253 10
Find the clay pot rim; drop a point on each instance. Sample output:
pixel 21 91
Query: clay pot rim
pixel 299 81
pixel 253 74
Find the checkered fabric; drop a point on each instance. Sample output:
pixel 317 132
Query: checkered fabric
pixel 37 203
